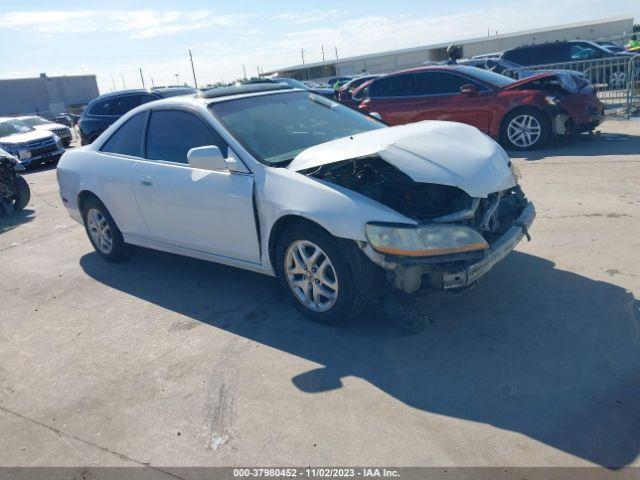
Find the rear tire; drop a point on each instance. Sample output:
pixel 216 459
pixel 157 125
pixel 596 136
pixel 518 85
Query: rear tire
pixel 525 129
pixel 104 234
pixel 23 193
pixel 315 276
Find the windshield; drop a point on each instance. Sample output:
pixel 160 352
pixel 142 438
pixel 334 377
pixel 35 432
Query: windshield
pixel 277 127
pixel 487 76
pixel 33 121
pixel 12 127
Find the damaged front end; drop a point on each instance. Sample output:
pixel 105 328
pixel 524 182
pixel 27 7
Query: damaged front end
pixel 570 98
pixel 457 238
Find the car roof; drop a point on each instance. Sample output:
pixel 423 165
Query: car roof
pixel 208 97
pixel 557 42
pixel 450 68
pixel 161 91
pixel 243 89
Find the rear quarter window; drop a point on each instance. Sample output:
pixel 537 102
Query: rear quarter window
pixel 127 140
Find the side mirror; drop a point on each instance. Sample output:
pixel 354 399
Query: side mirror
pixel 469 89
pixel 207 158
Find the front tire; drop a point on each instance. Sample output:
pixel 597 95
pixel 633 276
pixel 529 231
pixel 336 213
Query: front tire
pixel 104 234
pixel 315 276
pixel 23 193
pixel 525 129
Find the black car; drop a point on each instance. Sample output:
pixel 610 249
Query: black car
pixel 101 112
pixel 610 71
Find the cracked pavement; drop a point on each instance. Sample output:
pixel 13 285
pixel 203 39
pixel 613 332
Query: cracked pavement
pixel 169 361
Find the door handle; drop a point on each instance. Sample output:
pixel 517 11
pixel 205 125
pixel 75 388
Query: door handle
pixel 145 181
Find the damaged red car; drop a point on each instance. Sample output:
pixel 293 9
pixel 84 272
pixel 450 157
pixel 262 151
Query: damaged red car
pixel 521 114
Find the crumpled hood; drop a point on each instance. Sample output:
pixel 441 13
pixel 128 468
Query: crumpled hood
pixel 446 153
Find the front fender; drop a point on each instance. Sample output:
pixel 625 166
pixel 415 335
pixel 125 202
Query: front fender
pixel 340 211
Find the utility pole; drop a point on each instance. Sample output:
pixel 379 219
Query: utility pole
pixel 258 70
pixel 302 53
pixel 124 85
pixel 177 81
pixel 153 85
pixel 323 53
pixel 114 82
pixel 142 78
pixel 195 82
pixel 244 72
pixel 336 50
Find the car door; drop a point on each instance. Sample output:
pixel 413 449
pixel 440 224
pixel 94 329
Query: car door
pixel 207 211
pixel 113 165
pixel 439 98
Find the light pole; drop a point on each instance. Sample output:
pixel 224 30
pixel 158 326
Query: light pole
pixel 195 82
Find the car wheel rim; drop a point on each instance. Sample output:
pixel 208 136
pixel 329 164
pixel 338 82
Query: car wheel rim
pixel 311 276
pixel 99 231
pixel 524 130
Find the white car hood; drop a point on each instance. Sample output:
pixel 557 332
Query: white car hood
pixel 50 126
pixel 26 137
pixel 446 153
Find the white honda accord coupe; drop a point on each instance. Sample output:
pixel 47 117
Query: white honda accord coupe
pixel 284 182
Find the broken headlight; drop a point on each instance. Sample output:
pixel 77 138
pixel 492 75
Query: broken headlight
pixel 423 241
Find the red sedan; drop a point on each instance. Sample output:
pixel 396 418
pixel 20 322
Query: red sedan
pixel 521 114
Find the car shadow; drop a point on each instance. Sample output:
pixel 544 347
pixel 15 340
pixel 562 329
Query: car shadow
pixel 16 218
pixel 532 349
pixel 584 145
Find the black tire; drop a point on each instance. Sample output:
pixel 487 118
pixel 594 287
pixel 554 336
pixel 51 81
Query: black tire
pixel 541 118
pixel 119 250
pixel 23 194
pixel 348 302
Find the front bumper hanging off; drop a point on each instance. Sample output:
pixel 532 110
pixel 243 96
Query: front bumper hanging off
pixel 409 275
pixel 470 274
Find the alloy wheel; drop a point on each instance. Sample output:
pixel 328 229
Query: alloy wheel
pixel 99 231
pixel 524 130
pixel 311 275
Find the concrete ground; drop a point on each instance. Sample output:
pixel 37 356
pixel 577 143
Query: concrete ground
pixel 170 361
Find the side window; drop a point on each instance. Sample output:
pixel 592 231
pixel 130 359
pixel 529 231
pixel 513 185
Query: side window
pixel 396 86
pixel 172 133
pixel 127 140
pixel 551 54
pixel 584 52
pixel 127 102
pixel 520 56
pixel 103 107
pixel 439 83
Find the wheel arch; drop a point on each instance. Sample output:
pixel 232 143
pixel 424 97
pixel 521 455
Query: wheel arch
pixel 280 225
pixel 85 195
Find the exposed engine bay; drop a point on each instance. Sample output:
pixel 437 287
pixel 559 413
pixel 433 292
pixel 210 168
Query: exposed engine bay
pixel 493 217
pixel 372 177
